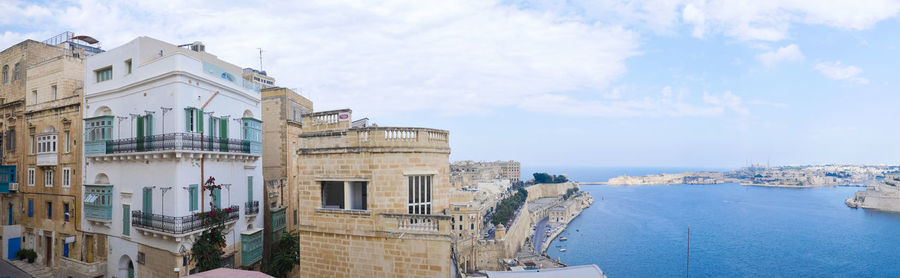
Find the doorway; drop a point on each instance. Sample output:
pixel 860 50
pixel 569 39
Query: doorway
pixel 48 251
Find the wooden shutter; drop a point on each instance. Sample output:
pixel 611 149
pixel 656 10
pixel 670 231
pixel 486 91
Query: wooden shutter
pixel 193 192
pixel 126 220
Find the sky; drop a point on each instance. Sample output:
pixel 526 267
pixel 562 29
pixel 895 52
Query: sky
pixel 658 83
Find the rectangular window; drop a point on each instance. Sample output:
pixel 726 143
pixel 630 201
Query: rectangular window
pixel 68 150
pixel 53 92
pixel 66 177
pixel 358 195
pixel 66 212
pixel 32 144
pixel 128 66
pixel 30 208
pixel 192 191
pixel 48 178
pixel 34 97
pixel 419 194
pixel 103 74
pixel 193 120
pixel 46 143
pixel 295 217
pixel 126 220
pixel 11 140
pixel 30 176
pixel 333 194
pixel 49 210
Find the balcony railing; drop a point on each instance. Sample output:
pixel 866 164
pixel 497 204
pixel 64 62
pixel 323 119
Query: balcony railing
pixel 173 141
pixel 47 159
pixel 420 222
pixel 176 224
pixel 98 212
pixel 252 208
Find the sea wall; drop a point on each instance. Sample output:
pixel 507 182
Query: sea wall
pixel 880 197
pixel 543 190
pixel 575 206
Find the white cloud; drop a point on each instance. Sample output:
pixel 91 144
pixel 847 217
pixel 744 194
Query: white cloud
pixel 838 71
pixel 451 57
pixel 666 104
pixel 787 53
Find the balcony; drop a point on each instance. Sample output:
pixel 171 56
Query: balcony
pixel 47 159
pixel 98 203
pixel 251 246
pixel 395 139
pixel 176 225
pixel 173 142
pixel 416 223
pixel 252 208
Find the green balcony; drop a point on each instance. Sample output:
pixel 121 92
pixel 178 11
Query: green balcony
pixel 278 222
pixel 98 202
pixel 251 246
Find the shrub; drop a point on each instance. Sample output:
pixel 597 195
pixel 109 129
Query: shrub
pixel 26 254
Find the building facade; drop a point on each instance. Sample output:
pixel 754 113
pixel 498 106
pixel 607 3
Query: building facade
pixel 41 109
pixel 258 77
pixel 161 120
pixel 373 201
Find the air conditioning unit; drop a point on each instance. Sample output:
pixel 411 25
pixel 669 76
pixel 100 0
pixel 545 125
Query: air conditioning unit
pixel 198 46
pixel 13 186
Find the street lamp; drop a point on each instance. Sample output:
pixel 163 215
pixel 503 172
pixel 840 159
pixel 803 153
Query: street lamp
pixel 164 110
pixel 164 190
pixel 133 116
pixel 120 125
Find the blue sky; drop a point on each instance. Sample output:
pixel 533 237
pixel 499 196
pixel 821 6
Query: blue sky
pixel 598 83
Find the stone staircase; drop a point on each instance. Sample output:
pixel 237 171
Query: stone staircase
pixel 34 269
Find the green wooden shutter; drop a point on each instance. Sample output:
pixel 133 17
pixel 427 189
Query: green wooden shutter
pixel 187 119
pixel 149 125
pixel 199 120
pixel 249 188
pixel 193 192
pixel 148 200
pixel 212 132
pixel 223 134
pixel 140 133
pixel 217 197
pixel 126 220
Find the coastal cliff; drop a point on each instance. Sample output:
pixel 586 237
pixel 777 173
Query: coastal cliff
pixel 882 196
pixel 665 179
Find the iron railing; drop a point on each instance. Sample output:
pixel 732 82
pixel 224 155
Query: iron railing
pixel 177 141
pixel 251 208
pixel 177 224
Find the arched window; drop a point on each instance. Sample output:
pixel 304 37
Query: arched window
pixel 5 74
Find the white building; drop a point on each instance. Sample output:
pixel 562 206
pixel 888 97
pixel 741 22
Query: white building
pixel 160 119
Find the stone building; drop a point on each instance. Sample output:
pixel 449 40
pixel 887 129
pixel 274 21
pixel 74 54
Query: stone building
pixel 470 212
pixel 41 123
pixel 258 77
pixel 160 120
pixel 373 201
pixel 469 173
pixel 282 113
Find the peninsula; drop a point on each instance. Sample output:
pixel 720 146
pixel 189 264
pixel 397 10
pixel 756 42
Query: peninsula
pixel 803 176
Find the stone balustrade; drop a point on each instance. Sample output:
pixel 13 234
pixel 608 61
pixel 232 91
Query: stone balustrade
pixel 327 120
pixel 393 138
pixel 416 223
pixel 70 267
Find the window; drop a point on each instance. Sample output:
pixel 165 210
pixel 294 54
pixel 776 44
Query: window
pixel 98 129
pixel 128 66
pixel 31 143
pixel 473 226
pixel 10 140
pixel 15 72
pixel 126 220
pixel 30 176
pixel 419 195
pixel 358 195
pixel 30 208
pixel 252 129
pixel 66 212
pixel 249 189
pixel 333 194
pixel 192 191
pixel 53 92
pixel 103 74
pixel 48 178
pixel 295 217
pixel 34 96
pixel 5 74
pixel 49 210
pixel 193 120
pixel 46 143
pixel 66 177
pixel 68 149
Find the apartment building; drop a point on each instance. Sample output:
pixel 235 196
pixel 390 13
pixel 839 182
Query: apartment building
pixel 160 120
pixel 40 107
pixel 373 201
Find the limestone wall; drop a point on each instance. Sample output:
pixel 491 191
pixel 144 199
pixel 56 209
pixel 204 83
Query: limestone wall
pixel 343 255
pixel 542 190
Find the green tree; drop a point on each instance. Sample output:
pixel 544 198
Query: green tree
pixel 285 255
pixel 207 249
pixel 542 178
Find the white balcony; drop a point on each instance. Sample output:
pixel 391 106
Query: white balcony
pixel 47 159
